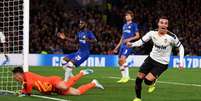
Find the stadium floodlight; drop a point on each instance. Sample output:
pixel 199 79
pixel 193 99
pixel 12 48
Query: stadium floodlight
pixel 14 41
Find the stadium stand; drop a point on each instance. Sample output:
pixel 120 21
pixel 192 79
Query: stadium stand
pixel 106 19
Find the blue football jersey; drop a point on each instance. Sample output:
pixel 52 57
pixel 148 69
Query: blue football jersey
pixel 82 35
pixel 129 30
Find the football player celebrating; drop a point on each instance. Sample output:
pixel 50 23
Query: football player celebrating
pixel 157 62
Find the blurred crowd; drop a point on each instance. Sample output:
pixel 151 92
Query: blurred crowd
pixel 47 17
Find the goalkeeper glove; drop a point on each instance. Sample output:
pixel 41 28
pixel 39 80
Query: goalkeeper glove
pixel 20 94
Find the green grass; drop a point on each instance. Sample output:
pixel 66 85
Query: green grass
pixel 125 92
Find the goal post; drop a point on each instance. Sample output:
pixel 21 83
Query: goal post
pixel 14 49
pixel 26 6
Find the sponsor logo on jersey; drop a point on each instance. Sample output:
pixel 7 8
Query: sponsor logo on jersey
pixel 127 31
pixel 160 46
pixel 165 41
pixel 83 39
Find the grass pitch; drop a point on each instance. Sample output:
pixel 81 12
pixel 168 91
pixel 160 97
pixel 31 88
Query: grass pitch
pixel 173 85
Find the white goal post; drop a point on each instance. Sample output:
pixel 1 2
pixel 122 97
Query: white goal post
pixel 14 41
pixel 26 34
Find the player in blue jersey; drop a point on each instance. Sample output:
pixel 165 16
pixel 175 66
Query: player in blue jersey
pixel 86 38
pixel 130 33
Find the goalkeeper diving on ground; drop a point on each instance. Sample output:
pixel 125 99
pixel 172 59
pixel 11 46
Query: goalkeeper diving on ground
pixel 52 84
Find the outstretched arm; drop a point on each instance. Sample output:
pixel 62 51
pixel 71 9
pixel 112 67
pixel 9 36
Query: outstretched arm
pixel 178 44
pixel 62 36
pixel 135 44
pixel 27 89
pixel 137 36
pixel 181 56
pixel 91 40
pixel 141 41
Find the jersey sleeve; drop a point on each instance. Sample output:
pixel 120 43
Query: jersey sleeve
pixel 176 41
pixel 143 40
pixel 135 28
pixel 91 35
pixel 122 28
pixel 27 88
pixel 27 85
pixel 77 36
pixel 147 36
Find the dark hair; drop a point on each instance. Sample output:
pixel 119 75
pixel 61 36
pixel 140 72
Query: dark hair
pixel 163 17
pixel 17 70
pixel 130 13
pixel 83 20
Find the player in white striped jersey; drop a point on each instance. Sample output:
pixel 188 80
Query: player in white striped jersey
pixel 157 62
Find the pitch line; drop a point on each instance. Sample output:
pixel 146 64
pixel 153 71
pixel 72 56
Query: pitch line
pixel 50 98
pixel 165 82
pixel 38 96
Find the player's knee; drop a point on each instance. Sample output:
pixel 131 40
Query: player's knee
pixel 66 59
pixel 69 65
pixel 122 61
pixel 141 75
pixel 148 82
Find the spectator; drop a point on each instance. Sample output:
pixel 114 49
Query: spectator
pixel 50 16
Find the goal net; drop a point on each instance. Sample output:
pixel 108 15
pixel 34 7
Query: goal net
pixel 13 41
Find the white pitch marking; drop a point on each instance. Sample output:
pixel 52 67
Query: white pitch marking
pixel 50 98
pixel 165 82
pixel 38 96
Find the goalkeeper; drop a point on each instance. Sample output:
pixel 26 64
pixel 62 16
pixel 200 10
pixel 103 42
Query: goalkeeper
pixel 52 84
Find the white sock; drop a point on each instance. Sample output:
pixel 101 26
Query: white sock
pixel 67 75
pixel 122 71
pixel 68 70
pixel 71 74
pixel 126 71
